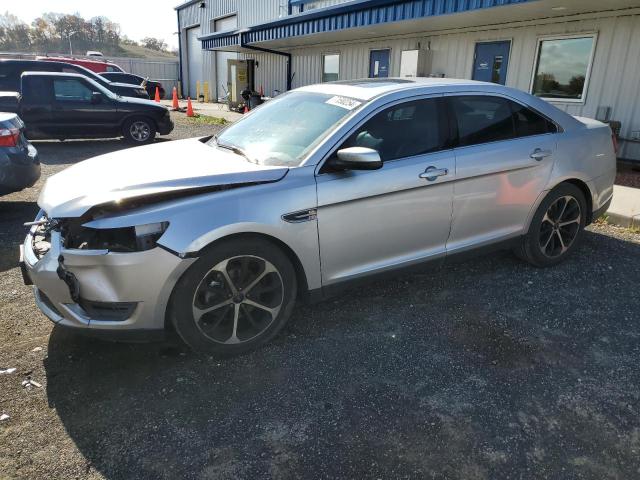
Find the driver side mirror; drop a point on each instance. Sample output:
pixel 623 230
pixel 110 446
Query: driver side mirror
pixel 96 97
pixel 356 158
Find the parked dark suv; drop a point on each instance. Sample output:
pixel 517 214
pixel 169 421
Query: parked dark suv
pixel 11 70
pixel 123 77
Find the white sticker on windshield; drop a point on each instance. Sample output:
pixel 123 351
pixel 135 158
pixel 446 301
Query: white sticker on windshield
pixel 343 102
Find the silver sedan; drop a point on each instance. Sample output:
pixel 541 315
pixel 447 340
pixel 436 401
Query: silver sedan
pixel 329 184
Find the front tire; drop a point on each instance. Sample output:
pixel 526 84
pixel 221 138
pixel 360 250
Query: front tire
pixel 237 296
pixel 556 228
pixel 139 130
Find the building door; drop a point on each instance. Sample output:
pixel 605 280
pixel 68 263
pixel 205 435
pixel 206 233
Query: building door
pixel 222 66
pixel 379 63
pixel 194 61
pixel 491 61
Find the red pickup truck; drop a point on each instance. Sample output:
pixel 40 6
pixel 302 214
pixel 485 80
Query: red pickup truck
pixel 97 66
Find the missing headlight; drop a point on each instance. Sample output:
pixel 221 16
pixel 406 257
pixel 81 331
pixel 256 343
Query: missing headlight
pixel 127 239
pixel 147 235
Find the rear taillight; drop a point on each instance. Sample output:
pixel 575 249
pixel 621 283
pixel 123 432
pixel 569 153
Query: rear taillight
pixel 9 137
pixel 614 139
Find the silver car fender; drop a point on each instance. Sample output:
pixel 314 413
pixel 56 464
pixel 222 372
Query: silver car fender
pixel 198 221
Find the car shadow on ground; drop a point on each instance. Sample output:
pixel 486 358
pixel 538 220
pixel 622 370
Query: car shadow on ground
pixel 50 151
pixel 485 369
pixel 12 230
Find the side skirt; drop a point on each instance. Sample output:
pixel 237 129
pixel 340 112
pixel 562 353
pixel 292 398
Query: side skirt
pixel 432 265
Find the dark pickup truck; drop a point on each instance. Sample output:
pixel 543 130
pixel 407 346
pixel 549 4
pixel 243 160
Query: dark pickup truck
pixel 12 70
pixel 68 105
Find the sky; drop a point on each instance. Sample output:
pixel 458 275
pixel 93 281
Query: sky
pixel 137 18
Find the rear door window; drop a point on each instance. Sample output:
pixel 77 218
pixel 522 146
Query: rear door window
pixel 482 119
pixel 530 123
pixel 36 90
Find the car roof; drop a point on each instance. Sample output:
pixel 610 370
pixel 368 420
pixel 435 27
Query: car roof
pixel 368 88
pixel 54 74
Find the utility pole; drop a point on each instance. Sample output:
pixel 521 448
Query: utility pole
pixel 71 49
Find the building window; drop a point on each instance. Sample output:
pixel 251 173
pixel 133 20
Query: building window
pixel 562 68
pixel 330 67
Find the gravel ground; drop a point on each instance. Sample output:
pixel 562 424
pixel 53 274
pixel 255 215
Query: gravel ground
pixel 481 370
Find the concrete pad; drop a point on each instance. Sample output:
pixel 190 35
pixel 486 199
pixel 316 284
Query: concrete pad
pixel 625 207
pixel 219 110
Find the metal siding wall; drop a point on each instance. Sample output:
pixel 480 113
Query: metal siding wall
pixel 615 73
pixel 614 80
pixel 271 72
pixel 249 12
pixel 354 59
pixel 194 15
pixel 323 4
pixel 252 12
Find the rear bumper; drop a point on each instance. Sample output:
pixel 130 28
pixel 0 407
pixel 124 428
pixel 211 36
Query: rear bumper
pixel 19 169
pixel 118 295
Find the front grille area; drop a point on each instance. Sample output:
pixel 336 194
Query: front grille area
pixel 107 311
pixel 41 240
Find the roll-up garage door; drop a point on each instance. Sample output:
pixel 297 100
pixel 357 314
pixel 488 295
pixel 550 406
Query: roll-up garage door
pixel 194 60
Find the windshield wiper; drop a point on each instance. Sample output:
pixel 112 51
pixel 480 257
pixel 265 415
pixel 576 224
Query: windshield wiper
pixel 234 148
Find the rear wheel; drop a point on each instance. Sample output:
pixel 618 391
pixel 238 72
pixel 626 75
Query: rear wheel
pixel 139 130
pixel 234 298
pixel 556 227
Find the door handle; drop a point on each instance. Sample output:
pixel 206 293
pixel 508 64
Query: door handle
pixel 432 173
pixel 538 154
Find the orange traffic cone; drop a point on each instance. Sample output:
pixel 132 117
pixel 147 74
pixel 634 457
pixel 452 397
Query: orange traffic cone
pixel 157 99
pixel 175 104
pixel 189 108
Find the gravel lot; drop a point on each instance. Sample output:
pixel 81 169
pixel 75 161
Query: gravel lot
pixel 482 370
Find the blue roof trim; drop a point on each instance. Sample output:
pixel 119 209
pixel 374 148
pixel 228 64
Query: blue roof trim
pixel 355 14
pixel 218 40
pixel 363 14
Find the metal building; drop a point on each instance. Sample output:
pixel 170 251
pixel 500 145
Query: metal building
pixel 581 55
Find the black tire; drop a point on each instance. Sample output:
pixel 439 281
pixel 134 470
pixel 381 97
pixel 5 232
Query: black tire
pixel 139 130
pixel 248 262
pixel 551 240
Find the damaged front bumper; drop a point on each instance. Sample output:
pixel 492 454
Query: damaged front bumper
pixel 99 290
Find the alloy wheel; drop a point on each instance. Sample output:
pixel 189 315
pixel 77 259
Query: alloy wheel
pixel 238 299
pixel 560 226
pixel 140 131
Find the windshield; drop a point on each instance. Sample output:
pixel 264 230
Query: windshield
pixel 284 130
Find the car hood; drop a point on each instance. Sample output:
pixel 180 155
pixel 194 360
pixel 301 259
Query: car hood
pixel 141 101
pixel 125 85
pixel 139 172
